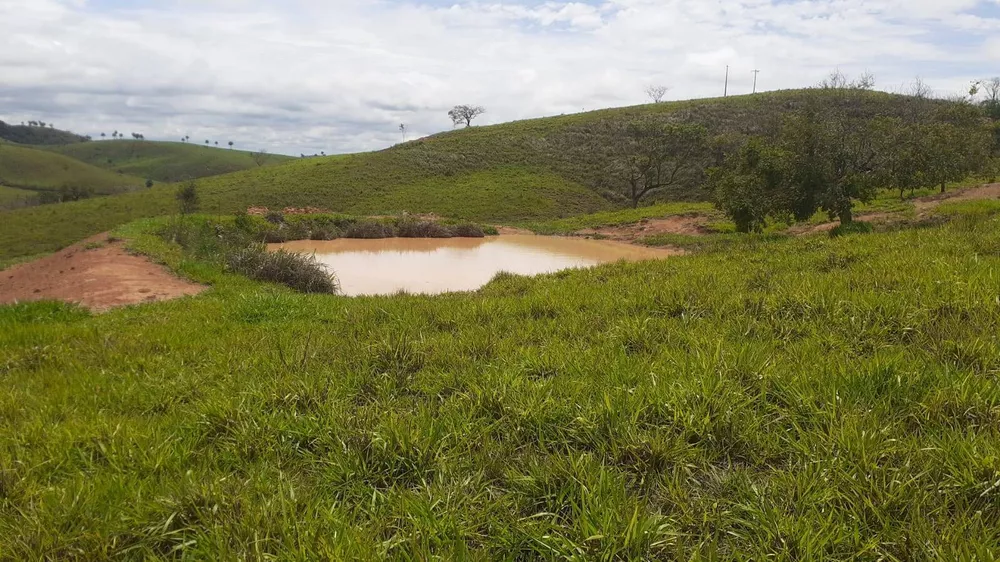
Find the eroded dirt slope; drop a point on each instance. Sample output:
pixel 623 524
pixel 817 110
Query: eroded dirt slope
pixel 95 273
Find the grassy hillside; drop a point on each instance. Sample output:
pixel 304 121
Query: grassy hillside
pixel 802 399
pixel 41 170
pixel 527 170
pixel 25 134
pixel 12 196
pixel 163 161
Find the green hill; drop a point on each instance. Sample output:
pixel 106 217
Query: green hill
pixel 164 161
pixel 31 134
pixel 522 171
pixel 12 196
pixel 41 170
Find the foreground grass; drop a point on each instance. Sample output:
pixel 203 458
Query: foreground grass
pixel 163 161
pixel 791 399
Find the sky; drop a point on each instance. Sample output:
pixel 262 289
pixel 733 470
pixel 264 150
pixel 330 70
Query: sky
pixel 335 76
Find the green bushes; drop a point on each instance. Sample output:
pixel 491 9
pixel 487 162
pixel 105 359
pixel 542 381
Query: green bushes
pixel 368 230
pixel 300 272
pixel 421 229
pixel 331 227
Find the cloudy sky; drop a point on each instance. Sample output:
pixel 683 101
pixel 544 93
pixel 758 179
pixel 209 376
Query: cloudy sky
pixel 298 76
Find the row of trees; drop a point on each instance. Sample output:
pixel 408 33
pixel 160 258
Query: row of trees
pixel 117 135
pixel 824 160
pixel 822 156
pixel 42 124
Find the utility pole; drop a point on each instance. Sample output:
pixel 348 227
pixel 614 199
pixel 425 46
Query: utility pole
pixel 755 73
pixel 725 92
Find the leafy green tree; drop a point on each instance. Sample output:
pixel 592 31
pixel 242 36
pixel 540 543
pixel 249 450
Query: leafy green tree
pixel 650 156
pixel 749 184
pixel 831 163
pixel 187 198
pixel 465 114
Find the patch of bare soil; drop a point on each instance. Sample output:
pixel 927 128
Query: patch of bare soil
pixel 510 230
pixel 95 273
pixel 690 225
pixel 805 229
pixel 991 191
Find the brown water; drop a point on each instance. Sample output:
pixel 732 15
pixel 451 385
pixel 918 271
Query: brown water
pixel 433 266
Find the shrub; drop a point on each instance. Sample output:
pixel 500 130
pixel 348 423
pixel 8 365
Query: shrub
pixel 274 217
pixel 243 222
pixel 300 272
pixel 297 231
pixel 325 233
pixel 368 230
pixel 467 231
pixel 275 236
pixel 421 229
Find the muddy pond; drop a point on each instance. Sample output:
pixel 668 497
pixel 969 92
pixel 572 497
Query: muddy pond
pixel 433 266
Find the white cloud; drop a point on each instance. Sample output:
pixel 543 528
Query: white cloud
pixel 340 75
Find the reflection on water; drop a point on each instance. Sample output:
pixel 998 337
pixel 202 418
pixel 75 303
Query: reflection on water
pixel 431 266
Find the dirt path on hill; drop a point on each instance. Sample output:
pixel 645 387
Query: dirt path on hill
pixel 95 273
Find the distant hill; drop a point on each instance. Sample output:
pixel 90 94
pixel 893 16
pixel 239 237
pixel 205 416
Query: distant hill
pixel 164 161
pixel 35 135
pixel 34 169
pixel 514 172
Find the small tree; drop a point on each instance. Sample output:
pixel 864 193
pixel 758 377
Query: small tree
pixel 919 89
pixel 649 156
pixel 230 145
pixel 187 198
pixel 748 186
pixel 991 90
pixel 465 114
pixel 207 142
pixel 103 135
pixel 260 157
pixel 402 131
pixel 149 184
pixel 656 93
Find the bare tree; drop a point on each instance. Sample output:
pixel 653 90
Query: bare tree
pixel 991 89
pixel 260 157
pixel 656 93
pixel 649 156
pixel 865 82
pixel 465 114
pixel 837 80
pixel 919 89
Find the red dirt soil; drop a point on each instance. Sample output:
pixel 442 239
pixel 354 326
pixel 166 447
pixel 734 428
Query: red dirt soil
pixel 100 278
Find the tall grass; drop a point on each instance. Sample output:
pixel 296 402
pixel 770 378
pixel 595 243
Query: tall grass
pixel 809 399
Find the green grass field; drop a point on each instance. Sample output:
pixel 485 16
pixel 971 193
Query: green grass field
pixel 163 161
pixel 525 171
pixel 502 195
pixel 14 196
pixel 41 170
pixel 791 398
